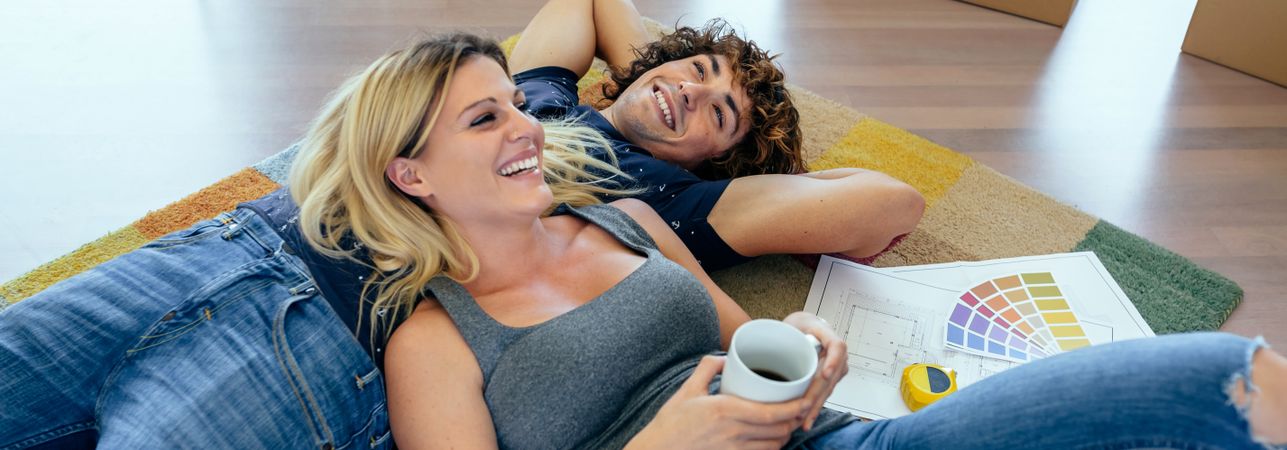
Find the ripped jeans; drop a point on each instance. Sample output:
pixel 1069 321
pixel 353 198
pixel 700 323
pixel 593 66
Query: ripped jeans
pixel 1165 392
pixel 211 337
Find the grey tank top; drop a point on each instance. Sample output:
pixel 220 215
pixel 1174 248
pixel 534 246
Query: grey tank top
pixel 596 375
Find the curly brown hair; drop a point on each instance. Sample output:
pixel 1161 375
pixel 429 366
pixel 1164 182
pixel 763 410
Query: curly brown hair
pixel 772 145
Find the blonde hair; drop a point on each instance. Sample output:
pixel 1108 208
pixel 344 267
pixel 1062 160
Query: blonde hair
pixel 338 178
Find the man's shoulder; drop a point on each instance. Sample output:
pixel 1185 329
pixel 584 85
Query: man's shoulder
pixel 549 74
pixel 551 92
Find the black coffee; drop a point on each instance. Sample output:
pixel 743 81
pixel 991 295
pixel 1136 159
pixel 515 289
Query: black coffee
pixel 770 374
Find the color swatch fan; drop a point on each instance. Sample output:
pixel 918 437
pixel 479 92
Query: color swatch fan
pixel 1019 317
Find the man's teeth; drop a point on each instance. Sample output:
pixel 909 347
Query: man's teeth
pixel 519 166
pixel 665 108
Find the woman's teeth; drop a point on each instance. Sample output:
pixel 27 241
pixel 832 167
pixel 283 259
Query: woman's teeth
pixel 519 166
pixel 665 109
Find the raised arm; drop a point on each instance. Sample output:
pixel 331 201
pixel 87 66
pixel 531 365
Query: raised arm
pixel 570 33
pixel 852 211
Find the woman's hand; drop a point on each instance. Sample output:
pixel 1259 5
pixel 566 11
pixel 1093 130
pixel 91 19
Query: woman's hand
pixel 833 366
pixel 693 418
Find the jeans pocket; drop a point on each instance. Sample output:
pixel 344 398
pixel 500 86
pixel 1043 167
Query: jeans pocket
pixel 199 309
pixel 341 390
pixel 213 366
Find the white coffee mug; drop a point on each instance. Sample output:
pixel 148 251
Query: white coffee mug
pixel 769 361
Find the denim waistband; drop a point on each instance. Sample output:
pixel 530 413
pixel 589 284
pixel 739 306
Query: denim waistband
pixel 248 227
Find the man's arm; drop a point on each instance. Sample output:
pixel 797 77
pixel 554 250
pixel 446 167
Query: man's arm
pixel 570 33
pixel 852 211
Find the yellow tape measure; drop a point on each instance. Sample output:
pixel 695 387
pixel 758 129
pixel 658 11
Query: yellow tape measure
pixel 924 383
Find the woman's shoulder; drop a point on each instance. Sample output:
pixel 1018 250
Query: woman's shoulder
pixel 427 331
pixel 629 220
pixel 632 207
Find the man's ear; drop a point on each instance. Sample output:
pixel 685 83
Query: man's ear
pixel 405 174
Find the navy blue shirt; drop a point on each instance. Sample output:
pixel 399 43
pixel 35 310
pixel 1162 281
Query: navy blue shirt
pixel 683 199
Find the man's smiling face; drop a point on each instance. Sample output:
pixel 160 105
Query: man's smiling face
pixel 684 111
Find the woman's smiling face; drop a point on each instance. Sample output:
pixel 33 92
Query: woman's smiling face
pixel 482 158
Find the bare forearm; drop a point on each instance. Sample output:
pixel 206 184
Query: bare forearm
pixel 858 212
pixel 561 34
pixel 619 29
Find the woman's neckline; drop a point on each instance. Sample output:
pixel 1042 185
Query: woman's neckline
pixel 648 259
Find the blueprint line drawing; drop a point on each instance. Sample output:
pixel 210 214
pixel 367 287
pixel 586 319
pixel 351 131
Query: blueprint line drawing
pixel 879 334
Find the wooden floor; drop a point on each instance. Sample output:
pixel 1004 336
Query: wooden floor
pixel 112 110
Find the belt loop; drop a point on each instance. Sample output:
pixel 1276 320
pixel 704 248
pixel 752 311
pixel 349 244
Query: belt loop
pixel 234 227
pixel 304 288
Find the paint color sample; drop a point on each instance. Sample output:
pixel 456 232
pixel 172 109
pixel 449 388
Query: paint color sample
pixel 960 315
pixel 984 290
pixel 1052 305
pixel 1066 331
pixel 1026 309
pixel 1017 317
pixel 979 325
pixel 1006 283
pixel 955 334
pixel 1074 343
pixel 1027 329
pixel 1038 278
pixel 998 334
pixel 1011 315
pixel 1016 295
pixel 998 303
pixel 1044 291
pixel 1018 343
pixel 1036 321
pixel 1060 317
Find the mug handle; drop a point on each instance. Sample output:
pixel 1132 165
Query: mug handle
pixel 817 345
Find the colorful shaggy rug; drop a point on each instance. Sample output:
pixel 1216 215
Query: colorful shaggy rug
pixel 973 213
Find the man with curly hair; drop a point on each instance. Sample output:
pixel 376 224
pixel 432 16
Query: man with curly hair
pixel 702 119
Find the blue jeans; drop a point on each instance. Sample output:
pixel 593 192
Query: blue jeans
pixel 211 337
pixel 1165 392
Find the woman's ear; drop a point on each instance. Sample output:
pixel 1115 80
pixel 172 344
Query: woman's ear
pixel 406 175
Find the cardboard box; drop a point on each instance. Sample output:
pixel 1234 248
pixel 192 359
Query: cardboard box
pixel 1246 35
pixel 1054 12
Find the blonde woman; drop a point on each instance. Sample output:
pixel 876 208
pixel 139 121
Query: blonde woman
pixel 591 327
